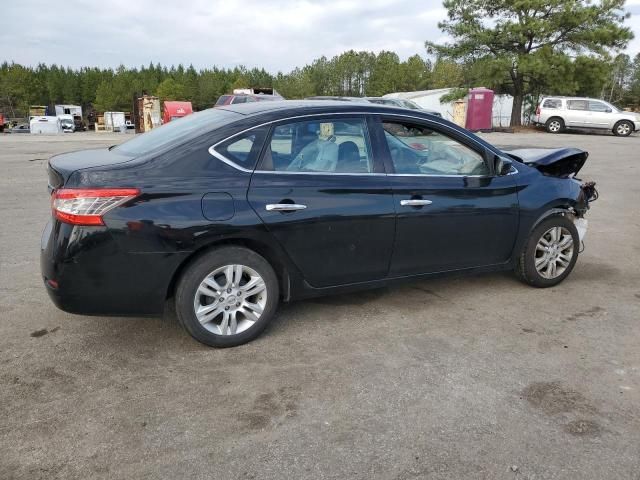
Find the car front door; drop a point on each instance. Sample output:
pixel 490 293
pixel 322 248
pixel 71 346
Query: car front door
pixel 323 194
pixel 452 212
pixel 599 115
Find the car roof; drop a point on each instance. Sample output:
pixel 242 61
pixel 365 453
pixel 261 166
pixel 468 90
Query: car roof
pixel 313 106
pixel 564 97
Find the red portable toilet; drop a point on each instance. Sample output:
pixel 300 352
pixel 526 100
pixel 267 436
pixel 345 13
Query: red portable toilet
pixel 174 110
pixel 479 109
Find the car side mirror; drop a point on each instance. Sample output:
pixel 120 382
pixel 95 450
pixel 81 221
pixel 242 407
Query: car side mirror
pixel 502 166
pixel 608 110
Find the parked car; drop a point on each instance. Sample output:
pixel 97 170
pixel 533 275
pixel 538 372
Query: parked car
pixel 560 113
pixel 20 128
pixel 67 123
pixel 232 210
pixel 246 98
pixel 402 103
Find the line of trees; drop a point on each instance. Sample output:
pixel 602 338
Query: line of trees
pixel 525 48
pixel 351 73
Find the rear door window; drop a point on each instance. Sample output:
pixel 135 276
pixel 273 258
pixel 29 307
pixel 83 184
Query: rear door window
pixel 323 145
pixel 578 105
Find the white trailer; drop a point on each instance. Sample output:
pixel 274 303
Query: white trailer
pixel 74 110
pixel 114 122
pixel 45 125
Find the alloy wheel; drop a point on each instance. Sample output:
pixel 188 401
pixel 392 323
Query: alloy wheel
pixel 554 126
pixel 623 129
pixel 554 252
pixel 230 299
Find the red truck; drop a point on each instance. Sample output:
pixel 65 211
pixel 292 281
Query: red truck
pixel 173 110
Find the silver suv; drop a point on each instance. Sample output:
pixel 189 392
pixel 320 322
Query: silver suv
pixel 558 113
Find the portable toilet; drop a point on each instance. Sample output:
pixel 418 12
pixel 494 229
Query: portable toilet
pixel 479 109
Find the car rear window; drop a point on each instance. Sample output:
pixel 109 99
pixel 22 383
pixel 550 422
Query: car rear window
pixel 174 132
pixel 223 100
pixel 552 103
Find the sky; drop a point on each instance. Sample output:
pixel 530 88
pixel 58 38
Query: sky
pixel 277 35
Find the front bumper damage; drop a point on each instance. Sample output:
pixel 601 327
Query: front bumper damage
pixel 588 194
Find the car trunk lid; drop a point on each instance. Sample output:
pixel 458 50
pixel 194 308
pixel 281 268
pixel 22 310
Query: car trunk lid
pixel 62 166
pixel 555 162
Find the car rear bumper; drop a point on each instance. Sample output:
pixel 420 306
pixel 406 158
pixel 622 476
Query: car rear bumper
pixel 86 272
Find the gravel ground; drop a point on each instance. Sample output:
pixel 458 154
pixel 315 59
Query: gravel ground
pixel 474 377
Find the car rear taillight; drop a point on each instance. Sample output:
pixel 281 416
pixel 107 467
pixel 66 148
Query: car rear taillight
pixel 87 206
pixel 538 110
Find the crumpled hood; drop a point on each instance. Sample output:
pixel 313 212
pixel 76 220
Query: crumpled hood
pixel 556 162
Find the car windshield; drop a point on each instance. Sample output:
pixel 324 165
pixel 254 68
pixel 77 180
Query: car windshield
pixel 167 134
pixel 410 104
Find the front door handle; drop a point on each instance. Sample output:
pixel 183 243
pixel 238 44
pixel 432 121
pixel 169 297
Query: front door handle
pixel 284 207
pixel 415 202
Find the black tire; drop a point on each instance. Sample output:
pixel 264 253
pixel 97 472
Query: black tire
pixel 623 128
pixel 199 269
pixel 526 263
pixel 554 125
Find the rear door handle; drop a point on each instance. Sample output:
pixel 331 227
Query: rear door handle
pixel 415 202
pixel 284 207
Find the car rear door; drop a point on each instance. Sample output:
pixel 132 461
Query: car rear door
pixel 323 194
pixel 577 113
pixel 452 212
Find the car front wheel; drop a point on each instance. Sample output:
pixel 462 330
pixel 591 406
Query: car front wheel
pixel 550 253
pixel 623 128
pixel 227 297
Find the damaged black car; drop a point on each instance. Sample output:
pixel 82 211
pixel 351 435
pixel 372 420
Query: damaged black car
pixel 231 211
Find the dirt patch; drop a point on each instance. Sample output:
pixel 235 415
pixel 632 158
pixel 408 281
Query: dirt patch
pixel 552 398
pixel 43 331
pixel 583 428
pixel 270 408
pixel 590 313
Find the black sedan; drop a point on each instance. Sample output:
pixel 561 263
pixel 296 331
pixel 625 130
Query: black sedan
pixel 233 210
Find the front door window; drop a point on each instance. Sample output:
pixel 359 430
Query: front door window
pixel 419 150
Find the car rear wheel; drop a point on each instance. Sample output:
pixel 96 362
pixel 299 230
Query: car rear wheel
pixel 227 297
pixel 550 252
pixel 623 128
pixel 554 125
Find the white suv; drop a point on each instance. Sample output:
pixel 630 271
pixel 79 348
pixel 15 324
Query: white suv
pixel 558 113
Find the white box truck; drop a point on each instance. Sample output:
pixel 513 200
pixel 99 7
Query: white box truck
pixel 76 111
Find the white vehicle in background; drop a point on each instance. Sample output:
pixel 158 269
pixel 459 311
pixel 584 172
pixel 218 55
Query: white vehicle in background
pixel 45 125
pixel 560 113
pixel 67 123
pixel 76 113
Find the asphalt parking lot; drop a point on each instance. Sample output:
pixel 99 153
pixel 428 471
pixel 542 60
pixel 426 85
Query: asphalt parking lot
pixel 474 377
